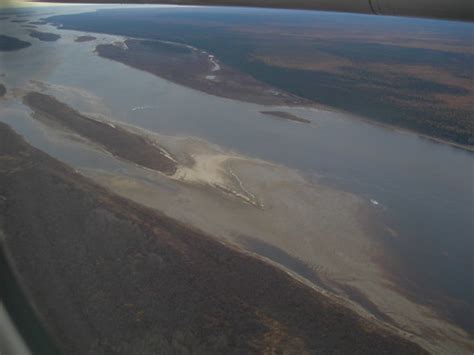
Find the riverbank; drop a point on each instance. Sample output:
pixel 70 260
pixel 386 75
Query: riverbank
pixel 195 68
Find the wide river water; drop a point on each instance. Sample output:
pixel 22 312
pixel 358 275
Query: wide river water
pixel 420 188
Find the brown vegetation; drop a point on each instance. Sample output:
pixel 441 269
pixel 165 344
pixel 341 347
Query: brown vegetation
pixel 116 140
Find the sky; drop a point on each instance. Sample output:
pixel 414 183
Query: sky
pixel 20 3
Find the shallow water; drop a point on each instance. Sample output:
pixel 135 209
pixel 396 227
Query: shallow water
pixel 423 189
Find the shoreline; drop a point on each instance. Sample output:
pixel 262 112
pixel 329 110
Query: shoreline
pixel 433 139
pixel 171 257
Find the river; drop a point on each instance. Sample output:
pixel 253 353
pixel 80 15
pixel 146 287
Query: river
pixel 421 189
